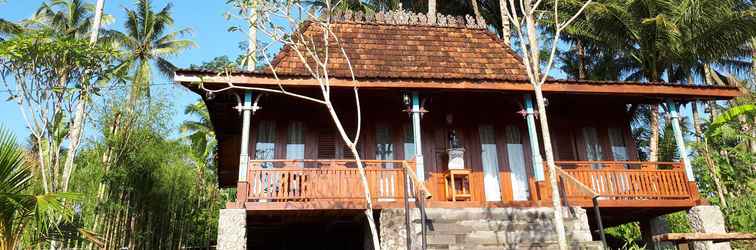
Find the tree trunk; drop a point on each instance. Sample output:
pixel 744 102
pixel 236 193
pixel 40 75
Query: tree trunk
pixel 96 22
pixel 714 172
pixel 360 168
pixel 74 139
pixel 252 37
pixel 535 51
pixel 581 59
pixel 696 117
pixel 549 152
pixel 431 9
pixel 696 120
pixel 505 31
pixel 476 11
pixel 653 141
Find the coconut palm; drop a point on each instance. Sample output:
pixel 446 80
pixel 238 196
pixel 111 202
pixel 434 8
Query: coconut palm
pixel 200 133
pixel 8 28
pixel 679 39
pixel 69 18
pixel 147 43
pixel 24 213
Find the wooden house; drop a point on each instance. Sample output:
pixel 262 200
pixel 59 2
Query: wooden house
pixel 428 91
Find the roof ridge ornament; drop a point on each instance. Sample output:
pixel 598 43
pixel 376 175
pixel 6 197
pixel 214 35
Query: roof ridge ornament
pixel 403 17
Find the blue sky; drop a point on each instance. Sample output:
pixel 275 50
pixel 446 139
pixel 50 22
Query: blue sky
pixel 204 17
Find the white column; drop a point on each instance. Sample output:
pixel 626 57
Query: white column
pixel 533 136
pixel 246 120
pixel 419 167
pixel 675 116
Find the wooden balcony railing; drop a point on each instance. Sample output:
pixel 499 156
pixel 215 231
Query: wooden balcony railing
pixel 324 180
pixel 627 180
pixel 323 184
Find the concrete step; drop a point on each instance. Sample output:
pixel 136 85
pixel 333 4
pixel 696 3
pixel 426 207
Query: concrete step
pixel 593 245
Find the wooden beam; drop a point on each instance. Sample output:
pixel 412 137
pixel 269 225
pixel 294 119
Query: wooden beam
pixel 659 91
pixel 704 237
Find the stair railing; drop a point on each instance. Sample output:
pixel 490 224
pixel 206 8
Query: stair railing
pixel 594 197
pixel 418 187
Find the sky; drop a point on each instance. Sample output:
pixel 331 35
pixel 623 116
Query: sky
pixel 210 33
pixel 204 17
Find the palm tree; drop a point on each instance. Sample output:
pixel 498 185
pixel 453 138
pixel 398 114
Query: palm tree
pixel 8 28
pixel 70 18
pixel 200 133
pixel 148 42
pixel 202 143
pixel 22 212
pixel 676 39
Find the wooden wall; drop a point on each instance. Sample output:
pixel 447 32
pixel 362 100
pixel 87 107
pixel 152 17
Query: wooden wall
pixel 567 115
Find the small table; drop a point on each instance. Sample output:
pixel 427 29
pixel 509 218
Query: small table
pixel 452 177
pixel 683 239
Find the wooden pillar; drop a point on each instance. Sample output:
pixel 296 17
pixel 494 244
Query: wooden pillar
pixel 416 133
pixel 242 187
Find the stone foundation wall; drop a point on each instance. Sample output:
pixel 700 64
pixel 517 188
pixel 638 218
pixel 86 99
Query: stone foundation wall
pixel 232 230
pixel 486 228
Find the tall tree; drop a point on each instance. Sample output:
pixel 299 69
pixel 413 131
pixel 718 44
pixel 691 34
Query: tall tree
pixel 148 42
pixel 676 40
pixel 530 38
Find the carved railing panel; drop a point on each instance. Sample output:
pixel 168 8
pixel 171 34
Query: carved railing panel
pixel 334 180
pixel 627 180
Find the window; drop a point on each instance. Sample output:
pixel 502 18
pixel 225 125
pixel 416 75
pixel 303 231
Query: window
pixel 619 147
pixel 409 142
pixel 592 146
pixel 490 161
pixel 265 146
pixel 516 158
pixel 295 141
pixel 384 149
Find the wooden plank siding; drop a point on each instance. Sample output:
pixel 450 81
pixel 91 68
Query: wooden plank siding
pixel 468 110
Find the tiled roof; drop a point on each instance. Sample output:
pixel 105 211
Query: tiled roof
pixel 409 51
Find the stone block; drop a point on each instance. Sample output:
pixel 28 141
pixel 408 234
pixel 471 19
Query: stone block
pixel 232 229
pixel 708 219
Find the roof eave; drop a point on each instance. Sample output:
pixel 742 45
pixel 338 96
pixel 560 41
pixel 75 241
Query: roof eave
pixel 190 78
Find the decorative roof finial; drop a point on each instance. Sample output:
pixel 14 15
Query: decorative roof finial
pixel 403 17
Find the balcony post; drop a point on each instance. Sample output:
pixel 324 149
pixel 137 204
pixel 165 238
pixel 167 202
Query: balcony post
pixel 533 137
pixel 675 116
pixel 416 112
pixel 246 109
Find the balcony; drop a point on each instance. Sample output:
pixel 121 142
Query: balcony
pixel 336 184
pixel 628 183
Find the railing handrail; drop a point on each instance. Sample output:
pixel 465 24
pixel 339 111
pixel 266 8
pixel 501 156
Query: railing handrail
pixel 328 160
pixel 420 184
pixel 581 186
pixel 571 162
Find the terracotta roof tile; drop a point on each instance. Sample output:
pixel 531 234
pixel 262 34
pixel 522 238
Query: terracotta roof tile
pixel 410 51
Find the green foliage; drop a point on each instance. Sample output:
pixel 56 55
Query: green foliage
pixel 628 233
pixel 730 138
pixel 678 222
pixel 42 54
pixel 160 184
pixel 24 213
